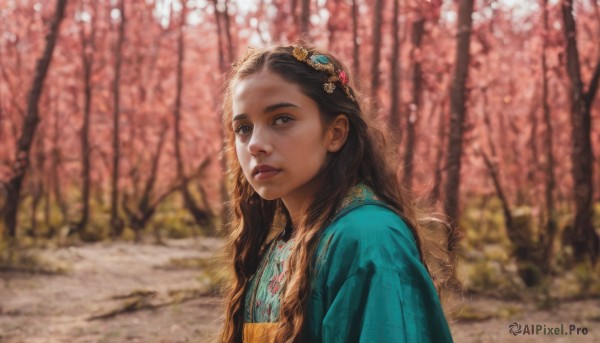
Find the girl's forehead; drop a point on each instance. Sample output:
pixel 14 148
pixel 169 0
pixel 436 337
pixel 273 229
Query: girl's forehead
pixel 265 87
pixel 263 78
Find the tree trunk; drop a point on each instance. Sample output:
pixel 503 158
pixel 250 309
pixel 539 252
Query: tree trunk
pixel 87 61
pixel 355 45
pixel 305 21
pixel 228 37
pixel 30 124
pixel 585 241
pixel 201 216
pixel 333 6
pixel 47 195
pixel 396 92
pixel 551 226
pixel 226 207
pixel 532 169
pixel 36 180
pixel 179 89
pixel 418 30
pixel 220 48
pixel 144 208
pixel 458 98
pixel 116 222
pixel 518 229
pixel 376 52
pixel 488 123
pixel 55 166
pixel 437 179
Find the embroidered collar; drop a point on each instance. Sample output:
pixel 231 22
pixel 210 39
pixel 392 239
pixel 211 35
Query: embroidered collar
pixel 358 195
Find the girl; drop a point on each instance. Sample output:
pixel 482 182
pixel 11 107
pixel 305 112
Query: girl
pixel 348 266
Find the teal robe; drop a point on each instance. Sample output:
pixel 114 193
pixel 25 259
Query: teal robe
pixel 369 284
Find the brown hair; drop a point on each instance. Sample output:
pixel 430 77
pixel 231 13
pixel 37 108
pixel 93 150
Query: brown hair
pixel 365 157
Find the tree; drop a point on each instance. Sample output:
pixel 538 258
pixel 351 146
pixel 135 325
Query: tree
pixel 458 99
pixel 584 239
pixel 437 178
pixel 376 52
pixel 418 30
pixel 201 216
pixel 116 222
pixel 145 205
pixel 87 63
pixel 226 209
pixel 305 20
pixel 225 49
pixel 30 124
pixel 396 61
pixel 550 182
pixel 355 45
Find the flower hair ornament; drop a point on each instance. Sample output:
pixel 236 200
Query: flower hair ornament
pixel 321 63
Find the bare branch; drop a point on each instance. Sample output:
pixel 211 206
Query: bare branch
pixel 593 88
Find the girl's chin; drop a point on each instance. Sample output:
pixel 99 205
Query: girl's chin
pixel 266 193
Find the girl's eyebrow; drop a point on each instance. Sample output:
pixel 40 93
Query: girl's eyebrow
pixel 268 109
pixel 275 107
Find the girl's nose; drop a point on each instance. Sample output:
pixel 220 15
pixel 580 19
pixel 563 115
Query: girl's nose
pixel 259 143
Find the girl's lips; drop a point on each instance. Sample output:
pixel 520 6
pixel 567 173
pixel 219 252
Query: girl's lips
pixel 264 172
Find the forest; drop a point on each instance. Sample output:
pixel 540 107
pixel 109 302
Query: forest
pixel 113 204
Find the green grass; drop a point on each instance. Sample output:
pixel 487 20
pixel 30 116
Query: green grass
pixel 171 220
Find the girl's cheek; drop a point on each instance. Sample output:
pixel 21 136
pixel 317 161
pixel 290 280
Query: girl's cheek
pixel 239 149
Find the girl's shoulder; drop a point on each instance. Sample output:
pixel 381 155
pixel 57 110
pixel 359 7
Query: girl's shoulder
pixel 366 233
pixel 370 226
pixel 363 216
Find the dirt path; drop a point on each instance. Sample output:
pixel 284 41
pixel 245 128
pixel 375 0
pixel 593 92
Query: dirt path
pixel 582 314
pixel 55 308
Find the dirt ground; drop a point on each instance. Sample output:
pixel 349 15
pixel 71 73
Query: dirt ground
pixel 36 308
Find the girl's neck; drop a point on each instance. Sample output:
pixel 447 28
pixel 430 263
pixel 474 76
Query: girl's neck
pixel 297 208
pixel 298 202
pixel 288 231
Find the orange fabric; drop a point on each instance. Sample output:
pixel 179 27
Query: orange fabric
pixel 259 332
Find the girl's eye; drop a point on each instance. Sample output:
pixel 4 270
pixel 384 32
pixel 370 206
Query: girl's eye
pixel 242 129
pixel 283 120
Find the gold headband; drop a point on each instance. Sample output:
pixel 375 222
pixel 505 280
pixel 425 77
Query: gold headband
pixel 322 63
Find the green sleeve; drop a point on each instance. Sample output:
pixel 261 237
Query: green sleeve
pixel 372 286
pixel 383 306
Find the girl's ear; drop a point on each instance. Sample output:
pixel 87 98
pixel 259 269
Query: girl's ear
pixel 337 133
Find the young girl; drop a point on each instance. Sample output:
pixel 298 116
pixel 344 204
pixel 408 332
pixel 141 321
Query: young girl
pixel 348 266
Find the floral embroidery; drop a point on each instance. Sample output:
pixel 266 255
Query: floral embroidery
pixel 263 294
pixel 359 195
pixel 275 283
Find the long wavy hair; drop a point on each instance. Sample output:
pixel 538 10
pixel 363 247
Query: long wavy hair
pixel 365 157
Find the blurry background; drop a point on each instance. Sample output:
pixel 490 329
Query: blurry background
pixel 111 179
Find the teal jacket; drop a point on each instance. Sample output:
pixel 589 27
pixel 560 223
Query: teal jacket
pixel 369 284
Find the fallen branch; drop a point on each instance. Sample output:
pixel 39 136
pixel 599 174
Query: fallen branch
pixel 137 293
pixel 142 301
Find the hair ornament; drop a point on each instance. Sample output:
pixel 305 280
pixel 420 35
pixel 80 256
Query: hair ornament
pixel 322 63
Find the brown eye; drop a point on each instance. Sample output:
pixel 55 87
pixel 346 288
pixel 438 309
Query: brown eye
pixel 283 120
pixel 242 129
